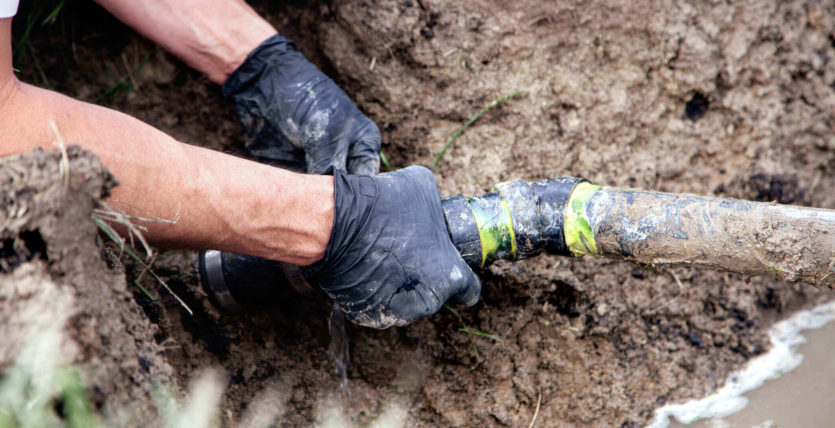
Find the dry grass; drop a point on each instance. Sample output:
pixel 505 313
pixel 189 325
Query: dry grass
pixel 107 216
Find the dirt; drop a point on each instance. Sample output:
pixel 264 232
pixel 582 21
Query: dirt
pixel 702 97
pixel 52 270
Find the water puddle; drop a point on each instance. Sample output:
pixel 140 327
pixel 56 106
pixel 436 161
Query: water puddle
pixel 793 384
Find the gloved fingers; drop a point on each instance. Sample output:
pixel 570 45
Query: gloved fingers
pixel 365 165
pixel 320 159
pixel 273 153
pixel 364 154
pixel 467 286
pixel 411 303
pixel 376 319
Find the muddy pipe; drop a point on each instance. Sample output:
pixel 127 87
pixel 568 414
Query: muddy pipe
pixel 572 217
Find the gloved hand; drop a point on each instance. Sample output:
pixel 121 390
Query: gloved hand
pixel 296 117
pixel 390 260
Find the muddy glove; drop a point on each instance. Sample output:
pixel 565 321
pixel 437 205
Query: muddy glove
pixel 390 260
pixel 296 117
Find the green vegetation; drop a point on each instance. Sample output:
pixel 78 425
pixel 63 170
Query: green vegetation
pixel 385 162
pixel 472 120
pixel 103 219
pixel 126 83
pixel 472 332
pixel 40 390
pixel 39 7
pixel 479 333
pixel 59 18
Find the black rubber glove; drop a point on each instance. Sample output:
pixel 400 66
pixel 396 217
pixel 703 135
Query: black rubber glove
pixel 296 117
pixel 390 260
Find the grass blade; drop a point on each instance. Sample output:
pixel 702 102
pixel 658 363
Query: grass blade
pixel 125 84
pixel 115 237
pixel 23 41
pixel 472 332
pixel 145 291
pixel 480 333
pixel 54 13
pixel 385 162
pixel 472 120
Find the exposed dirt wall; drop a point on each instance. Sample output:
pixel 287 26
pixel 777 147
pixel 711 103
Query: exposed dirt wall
pixel 53 273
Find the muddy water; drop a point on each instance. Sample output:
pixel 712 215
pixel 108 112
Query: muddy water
pixel 803 396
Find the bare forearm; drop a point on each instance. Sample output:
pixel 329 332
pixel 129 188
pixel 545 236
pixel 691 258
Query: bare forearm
pixel 212 36
pixel 219 201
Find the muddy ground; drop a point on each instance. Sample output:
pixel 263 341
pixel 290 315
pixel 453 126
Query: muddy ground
pixel 720 98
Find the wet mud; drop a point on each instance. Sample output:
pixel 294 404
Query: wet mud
pixel 730 100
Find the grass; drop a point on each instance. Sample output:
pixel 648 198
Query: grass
pixel 100 219
pixel 103 219
pixel 41 391
pixel 472 120
pixel 202 406
pixel 479 333
pixel 126 83
pixel 50 18
pixel 385 162
pixel 37 393
pixel 472 332
pixel 46 13
pixel 777 271
pixel 64 166
pixel 44 80
pixel 536 412
pixel 77 408
pixel 39 7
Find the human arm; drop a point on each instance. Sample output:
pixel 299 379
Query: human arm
pixel 388 262
pixel 295 116
pixel 211 36
pixel 220 201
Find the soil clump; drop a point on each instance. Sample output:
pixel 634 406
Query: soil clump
pixel 53 271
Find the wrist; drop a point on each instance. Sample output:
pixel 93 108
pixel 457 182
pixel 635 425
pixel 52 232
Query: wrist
pixel 221 49
pixel 316 216
pixel 213 37
pixel 231 53
pixel 259 210
pixel 300 215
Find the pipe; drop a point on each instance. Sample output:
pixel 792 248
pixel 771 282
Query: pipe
pixel 752 238
pixel 572 217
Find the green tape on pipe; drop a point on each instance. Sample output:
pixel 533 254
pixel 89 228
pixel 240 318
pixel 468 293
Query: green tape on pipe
pixel 579 238
pixel 495 228
pixel 509 226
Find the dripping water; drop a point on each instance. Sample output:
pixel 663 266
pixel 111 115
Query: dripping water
pixel 338 348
